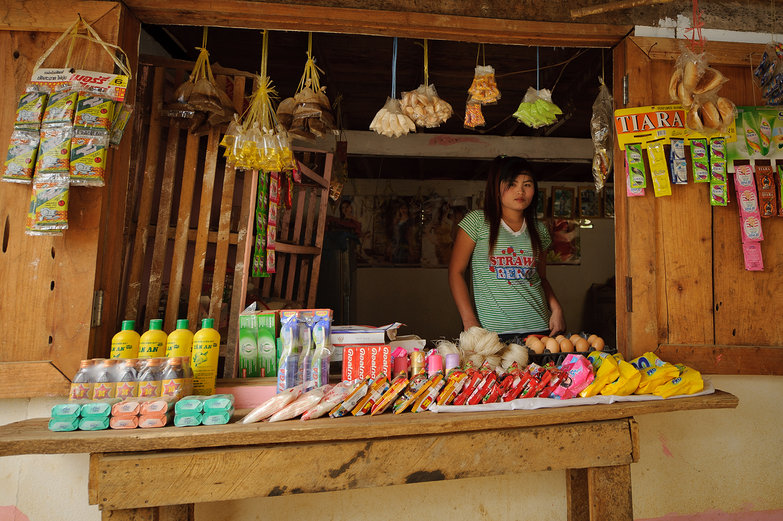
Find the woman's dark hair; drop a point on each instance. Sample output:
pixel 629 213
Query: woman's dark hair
pixel 502 172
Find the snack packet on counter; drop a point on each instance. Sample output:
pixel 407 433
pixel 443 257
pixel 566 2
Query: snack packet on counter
pixel 688 382
pixel 653 371
pixel 374 393
pixel 427 396
pixel 454 383
pixel 627 382
pixel 605 371
pixel 20 160
pixel 352 399
pixel 406 398
pixel 397 385
pixel 333 397
pixel 580 375
pixel 301 404
pixel 483 389
pixel 273 404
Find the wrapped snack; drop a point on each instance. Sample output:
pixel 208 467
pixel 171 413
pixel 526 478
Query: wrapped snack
pixel 689 381
pixel 483 389
pixel 536 109
pixel 425 107
pixel 602 132
pixel 333 397
pixel 719 193
pixel 484 88
pixel 473 381
pixel 391 122
pixel 22 151
pixel 347 405
pixel 398 385
pixel 605 370
pixel 406 398
pixel 473 115
pixel 678 167
pixel 48 204
pixel 120 122
pixel 88 157
pixel 273 404
pixel 654 372
pixel 519 386
pixel 454 383
pixel 94 110
pixel 765 181
pixel 659 171
pixel 627 382
pixel 580 375
pixel 427 396
pixel 262 219
pixel 300 405
pixel 61 106
pixel 374 394
pixel 30 109
pixel 54 153
pixel 636 170
pixel 700 160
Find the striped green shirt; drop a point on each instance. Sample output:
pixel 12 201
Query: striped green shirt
pixel 506 286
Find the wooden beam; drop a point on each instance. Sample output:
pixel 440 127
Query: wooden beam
pixel 720 53
pixel 613 6
pixel 725 359
pixel 457 146
pixel 32 379
pixel 264 15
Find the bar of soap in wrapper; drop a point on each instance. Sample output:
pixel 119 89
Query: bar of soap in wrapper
pixel 188 420
pixel 94 423
pixel 59 424
pixel 124 422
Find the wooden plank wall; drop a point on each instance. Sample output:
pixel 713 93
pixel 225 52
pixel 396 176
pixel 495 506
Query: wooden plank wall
pixel 692 300
pixel 47 283
pixel 191 214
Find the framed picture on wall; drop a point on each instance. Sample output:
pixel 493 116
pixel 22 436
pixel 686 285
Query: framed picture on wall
pixel 541 206
pixel 563 202
pixel 608 201
pixel 589 202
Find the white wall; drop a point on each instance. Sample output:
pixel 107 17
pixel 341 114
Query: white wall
pixel 716 464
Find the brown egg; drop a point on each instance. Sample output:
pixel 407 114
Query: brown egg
pixel 530 339
pixel 582 345
pixel 574 338
pixel 598 344
pixel 591 339
pixel 560 338
pixel 537 346
pixel 552 346
pixel 566 346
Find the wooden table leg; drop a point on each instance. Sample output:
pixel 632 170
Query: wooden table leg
pixel 164 513
pixel 578 495
pixel 610 493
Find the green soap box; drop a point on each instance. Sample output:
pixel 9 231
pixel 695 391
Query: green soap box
pixel 102 408
pixel 188 420
pixel 219 403
pixel 94 423
pixel 217 418
pixel 59 424
pixel 69 410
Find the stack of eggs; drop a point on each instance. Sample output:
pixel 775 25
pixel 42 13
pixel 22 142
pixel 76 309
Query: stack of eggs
pixel 561 344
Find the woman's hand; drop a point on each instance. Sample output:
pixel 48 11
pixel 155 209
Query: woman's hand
pixel 557 322
pixel 469 322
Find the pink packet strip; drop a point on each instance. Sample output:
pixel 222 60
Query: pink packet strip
pixel 580 375
pixel 752 254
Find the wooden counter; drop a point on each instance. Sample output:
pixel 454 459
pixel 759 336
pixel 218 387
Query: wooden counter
pixel 159 473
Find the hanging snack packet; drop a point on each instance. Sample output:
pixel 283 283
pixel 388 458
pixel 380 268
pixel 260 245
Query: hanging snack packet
pixel 88 156
pixel 473 115
pixel 605 370
pixel 30 109
pixel 536 109
pixel 654 372
pixel 54 154
pixel 390 120
pixel 484 88
pixel 94 110
pixel 20 161
pixel 637 173
pixel 659 173
pixel 602 132
pixel 425 107
pixel 719 192
pixel 48 204
pixel 61 106
pixel 677 164
pixel 689 381
pixel 765 181
pixel 120 122
pixel 627 382
pixel 700 160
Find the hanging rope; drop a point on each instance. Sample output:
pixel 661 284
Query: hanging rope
pixel 426 65
pixel 394 69
pixel 538 70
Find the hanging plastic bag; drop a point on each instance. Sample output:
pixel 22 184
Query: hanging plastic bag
pixel 425 107
pixel 473 116
pixel 601 131
pixel 484 88
pixel 537 109
pixel 695 85
pixel 390 120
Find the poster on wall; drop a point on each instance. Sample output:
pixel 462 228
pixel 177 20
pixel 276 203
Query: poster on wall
pixel 759 135
pixel 396 231
pixel 566 247
pixel 440 220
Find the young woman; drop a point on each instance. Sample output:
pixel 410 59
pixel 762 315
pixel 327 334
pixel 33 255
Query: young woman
pixel 506 247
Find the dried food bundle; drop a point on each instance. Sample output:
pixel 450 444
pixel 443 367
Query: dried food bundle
pixel 601 131
pixel 484 88
pixel 308 114
pixel 537 109
pixel 199 98
pixel 425 107
pixel 695 85
pixel 390 120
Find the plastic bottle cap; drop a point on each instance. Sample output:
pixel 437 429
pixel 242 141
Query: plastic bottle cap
pixel 128 325
pixel 182 323
pixel 156 323
pixel 207 323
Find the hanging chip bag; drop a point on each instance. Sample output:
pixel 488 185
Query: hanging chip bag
pixel 61 106
pixel 20 160
pixel 484 88
pixel 88 157
pixel 30 109
pixel 49 203
pixel 94 110
pixel 54 154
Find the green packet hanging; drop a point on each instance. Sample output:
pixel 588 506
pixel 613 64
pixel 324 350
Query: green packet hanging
pixel 700 160
pixel 636 170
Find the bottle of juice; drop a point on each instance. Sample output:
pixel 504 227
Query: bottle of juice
pixel 125 344
pixel 180 341
pixel 204 358
pixel 152 343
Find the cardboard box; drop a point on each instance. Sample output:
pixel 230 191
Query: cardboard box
pixel 343 335
pixel 258 331
pixel 361 361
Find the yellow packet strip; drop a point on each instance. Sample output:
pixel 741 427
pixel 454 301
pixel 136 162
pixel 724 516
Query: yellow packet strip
pixel 659 170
